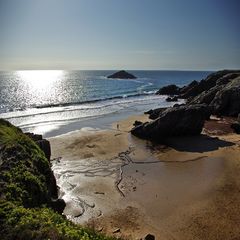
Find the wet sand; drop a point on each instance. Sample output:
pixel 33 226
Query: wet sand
pixel 124 186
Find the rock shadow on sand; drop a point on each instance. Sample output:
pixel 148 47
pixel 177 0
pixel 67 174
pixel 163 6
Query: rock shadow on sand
pixel 199 144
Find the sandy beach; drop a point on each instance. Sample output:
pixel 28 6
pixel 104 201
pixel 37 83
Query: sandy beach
pixel 127 187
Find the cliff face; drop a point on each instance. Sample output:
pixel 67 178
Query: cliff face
pixel 25 174
pixel 29 208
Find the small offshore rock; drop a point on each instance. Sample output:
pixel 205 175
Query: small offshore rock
pixel 122 75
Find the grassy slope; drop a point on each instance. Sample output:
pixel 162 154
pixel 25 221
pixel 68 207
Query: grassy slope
pixel 25 196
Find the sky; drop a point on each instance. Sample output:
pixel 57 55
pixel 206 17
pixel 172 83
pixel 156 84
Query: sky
pixel 123 34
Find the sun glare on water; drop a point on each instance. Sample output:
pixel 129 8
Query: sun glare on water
pixel 40 79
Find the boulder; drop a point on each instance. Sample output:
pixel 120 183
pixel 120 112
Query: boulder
pixel 169 90
pixel 122 75
pixel 154 113
pixel 176 121
pixel 227 101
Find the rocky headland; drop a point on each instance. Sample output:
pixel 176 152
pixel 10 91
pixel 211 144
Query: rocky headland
pixel 218 94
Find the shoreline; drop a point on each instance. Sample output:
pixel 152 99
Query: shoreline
pixel 115 182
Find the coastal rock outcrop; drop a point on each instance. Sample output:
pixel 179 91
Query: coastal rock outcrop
pixel 227 100
pixel 188 88
pixel 154 113
pixel 206 96
pixel 220 90
pixel 204 85
pixel 176 121
pixel 169 90
pixel 122 75
pixel 218 94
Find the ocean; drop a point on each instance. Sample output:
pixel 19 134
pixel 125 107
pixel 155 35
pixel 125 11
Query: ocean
pixel 52 102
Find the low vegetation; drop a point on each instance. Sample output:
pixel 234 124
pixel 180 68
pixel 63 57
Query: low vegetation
pixel 26 191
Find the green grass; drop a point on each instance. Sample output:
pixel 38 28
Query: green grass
pixel 40 223
pixel 25 193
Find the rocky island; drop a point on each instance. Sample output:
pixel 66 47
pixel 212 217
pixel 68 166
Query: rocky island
pixel 122 75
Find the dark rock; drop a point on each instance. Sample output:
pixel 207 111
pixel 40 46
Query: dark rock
pixel 227 78
pixel 227 101
pixel 169 90
pixel 45 147
pixel 180 121
pixel 236 127
pixel 185 89
pixel 154 113
pixel 52 186
pixel 149 237
pixel 34 137
pixel 205 97
pixel 197 89
pixel 172 99
pixel 122 75
pixel 136 123
pixel 208 83
pixel 58 205
pixel 42 143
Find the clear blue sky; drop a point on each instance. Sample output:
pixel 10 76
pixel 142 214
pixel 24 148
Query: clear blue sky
pixel 123 34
